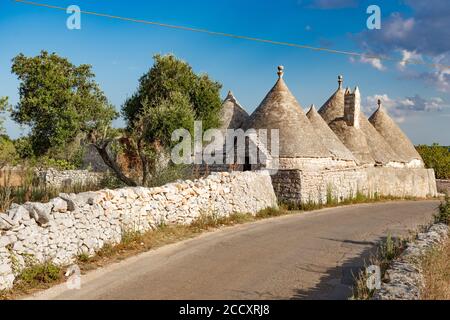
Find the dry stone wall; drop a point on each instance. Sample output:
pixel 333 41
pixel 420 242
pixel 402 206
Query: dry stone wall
pixel 71 224
pixel 443 186
pixel 60 178
pixel 295 186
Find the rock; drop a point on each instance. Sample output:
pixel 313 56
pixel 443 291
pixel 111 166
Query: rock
pixel 4 241
pixel 6 223
pixel 89 198
pixel 4 269
pixel 39 211
pixel 18 246
pixel 17 214
pixel 59 205
pixel 71 206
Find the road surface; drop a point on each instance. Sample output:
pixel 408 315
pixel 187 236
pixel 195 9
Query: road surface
pixel 303 256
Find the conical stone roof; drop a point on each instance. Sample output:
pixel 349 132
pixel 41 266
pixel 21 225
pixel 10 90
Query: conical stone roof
pixel 232 115
pixel 334 107
pixel 393 135
pixel 328 137
pixel 354 140
pixel 380 150
pixel 280 110
pixel 333 110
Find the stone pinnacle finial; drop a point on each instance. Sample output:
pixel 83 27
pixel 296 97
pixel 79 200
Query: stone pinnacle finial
pixel 340 81
pixel 280 71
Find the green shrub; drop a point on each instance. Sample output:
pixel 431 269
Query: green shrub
pixel 8 153
pixel 39 274
pixel 24 148
pixel 443 215
pixel 170 174
pixel 438 158
pixel 59 164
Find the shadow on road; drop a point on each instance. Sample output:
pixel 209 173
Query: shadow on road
pixel 338 282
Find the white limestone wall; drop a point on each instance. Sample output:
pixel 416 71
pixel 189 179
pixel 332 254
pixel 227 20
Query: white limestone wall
pixel 73 224
pixel 60 178
pixel 295 186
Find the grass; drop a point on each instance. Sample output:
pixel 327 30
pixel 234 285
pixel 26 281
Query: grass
pixel 33 278
pixel 332 201
pixel 436 264
pixel 436 272
pixel 443 215
pixel 387 251
pixel 38 192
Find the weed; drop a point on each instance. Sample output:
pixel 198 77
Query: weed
pixel 443 215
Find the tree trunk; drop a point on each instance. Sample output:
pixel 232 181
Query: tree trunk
pixel 111 163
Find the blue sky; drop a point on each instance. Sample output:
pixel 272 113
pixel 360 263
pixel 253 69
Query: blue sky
pixel 120 52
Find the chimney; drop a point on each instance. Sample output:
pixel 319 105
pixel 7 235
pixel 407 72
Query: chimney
pixel 352 109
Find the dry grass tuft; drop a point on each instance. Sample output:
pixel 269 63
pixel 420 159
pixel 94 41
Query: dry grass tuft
pixel 436 272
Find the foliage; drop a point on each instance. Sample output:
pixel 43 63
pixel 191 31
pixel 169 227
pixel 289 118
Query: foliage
pixel 171 173
pixel 8 154
pixel 58 100
pixel 39 274
pixel 4 107
pixel 170 75
pixel 438 158
pixel 170 96
pixel 23 147
pixel 436 273
pixel 443 215
pixel 59 164
pixel 388 250
pixel 34 191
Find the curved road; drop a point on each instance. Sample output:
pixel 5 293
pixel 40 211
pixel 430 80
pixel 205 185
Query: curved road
pixel 304 256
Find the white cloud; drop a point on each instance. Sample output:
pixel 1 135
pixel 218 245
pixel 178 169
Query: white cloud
pixel 374 62
pixel 409 57
pixel 421 34
pixel 401 109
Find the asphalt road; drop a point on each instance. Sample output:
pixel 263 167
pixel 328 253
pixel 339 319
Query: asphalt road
pixel 303 256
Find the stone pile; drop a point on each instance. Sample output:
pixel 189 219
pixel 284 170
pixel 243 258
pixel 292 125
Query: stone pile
pixel 73 224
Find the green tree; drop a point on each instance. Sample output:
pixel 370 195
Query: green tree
pixel 58 100
pixel 170 96
pixel 169 75
pixel 4 107
pixel 8 153
pixel 436 157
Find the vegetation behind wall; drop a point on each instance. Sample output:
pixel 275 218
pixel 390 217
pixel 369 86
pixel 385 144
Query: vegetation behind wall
pixel 436 157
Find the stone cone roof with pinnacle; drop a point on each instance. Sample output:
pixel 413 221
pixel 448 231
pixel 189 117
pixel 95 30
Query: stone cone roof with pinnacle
pixel 328 137
pixel 280 110
pixel 334 107
pixel 232 115
pixel 393 135
pixel 354 139
pixel 381 152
